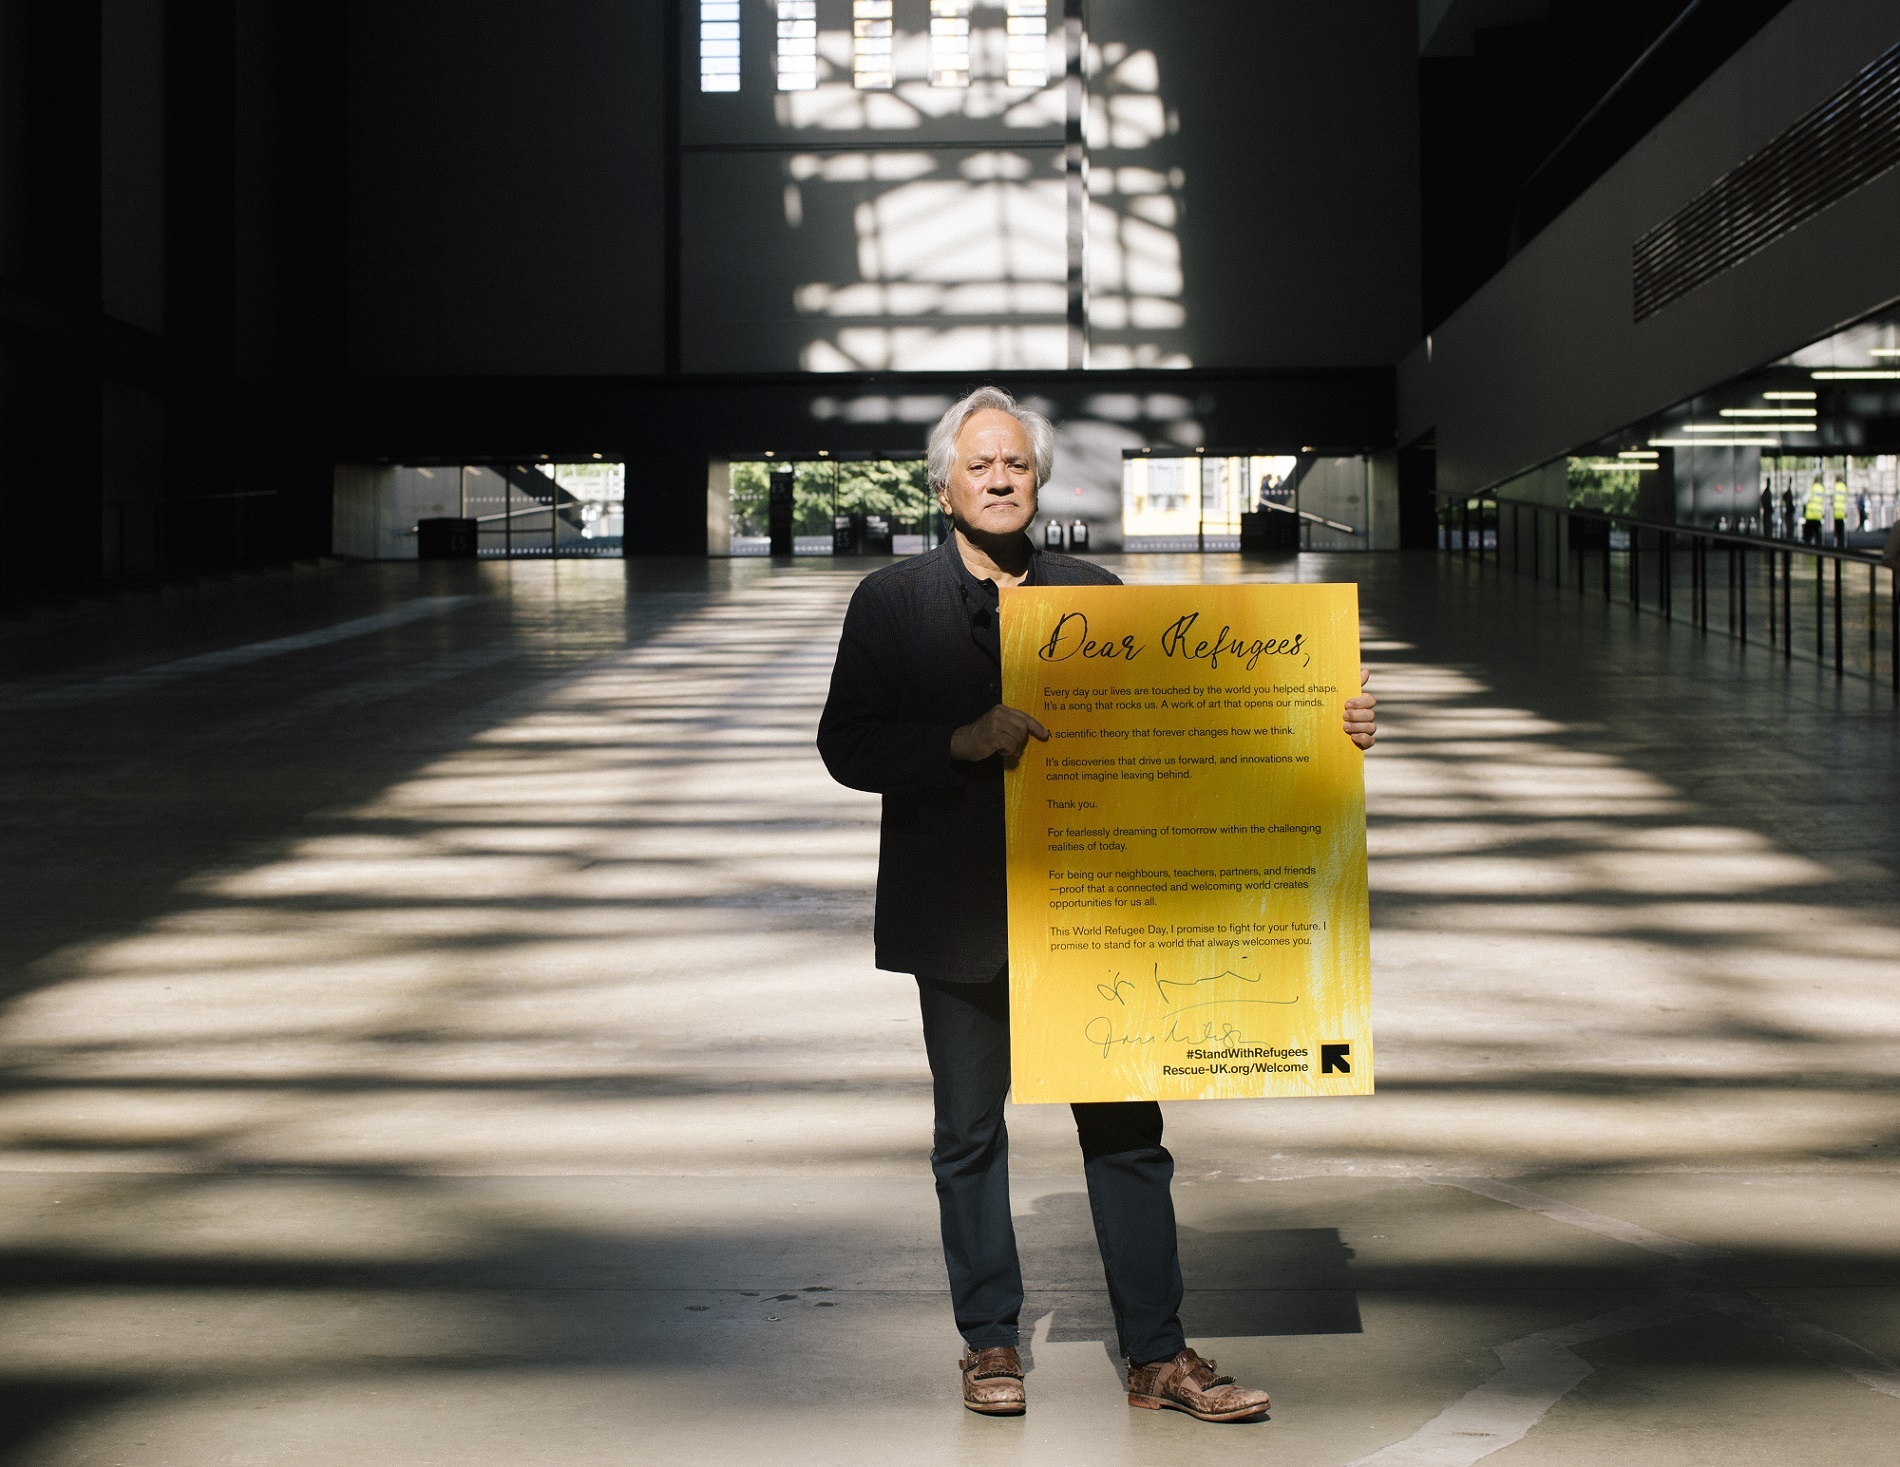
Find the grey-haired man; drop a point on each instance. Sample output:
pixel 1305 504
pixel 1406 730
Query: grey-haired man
pixel 916 715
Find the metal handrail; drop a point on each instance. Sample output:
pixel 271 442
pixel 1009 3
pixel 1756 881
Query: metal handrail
pixel 1730 537
pixel 1307 514
pixel 1698 543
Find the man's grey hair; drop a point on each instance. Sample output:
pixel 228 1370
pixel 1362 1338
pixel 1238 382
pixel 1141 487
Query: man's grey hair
pixel 942 455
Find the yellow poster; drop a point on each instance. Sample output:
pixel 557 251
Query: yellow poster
pixel 1187 851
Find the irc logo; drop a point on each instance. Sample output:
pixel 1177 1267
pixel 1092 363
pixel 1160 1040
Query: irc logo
pixel 1335 1057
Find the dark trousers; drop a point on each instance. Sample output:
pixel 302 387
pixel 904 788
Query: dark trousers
pixel 966 1031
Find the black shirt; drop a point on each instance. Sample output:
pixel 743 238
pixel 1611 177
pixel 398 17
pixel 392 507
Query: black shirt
pixel 982 602
pixel 920 656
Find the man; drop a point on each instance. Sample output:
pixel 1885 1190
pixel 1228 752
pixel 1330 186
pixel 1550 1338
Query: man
pixel 916 715
pixel 1811 511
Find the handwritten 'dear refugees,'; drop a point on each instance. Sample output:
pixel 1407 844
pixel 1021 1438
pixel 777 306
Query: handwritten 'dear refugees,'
pixel 1187 851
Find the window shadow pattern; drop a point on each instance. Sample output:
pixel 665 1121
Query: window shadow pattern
pixel 466 1077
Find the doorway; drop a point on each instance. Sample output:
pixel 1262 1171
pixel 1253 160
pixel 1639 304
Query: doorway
pixel 545 509
pixel 831 504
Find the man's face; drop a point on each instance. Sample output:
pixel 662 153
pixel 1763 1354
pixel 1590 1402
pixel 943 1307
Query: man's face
pixel 992 488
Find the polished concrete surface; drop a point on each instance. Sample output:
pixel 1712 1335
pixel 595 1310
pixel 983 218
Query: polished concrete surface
pixel 439 1028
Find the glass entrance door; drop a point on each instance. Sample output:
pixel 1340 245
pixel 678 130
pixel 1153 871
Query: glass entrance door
pixel 843 505
pixel 538 510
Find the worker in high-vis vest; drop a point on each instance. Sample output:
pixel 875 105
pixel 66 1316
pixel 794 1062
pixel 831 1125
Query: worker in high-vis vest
pixel 1812 511
pixel 1840 511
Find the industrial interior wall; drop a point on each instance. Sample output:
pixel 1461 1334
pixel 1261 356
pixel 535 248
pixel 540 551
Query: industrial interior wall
pixel 359 502
pixel 1290 136
pixel 132 162
pixel 1547 356
pixel 1253 203
pixel 507 169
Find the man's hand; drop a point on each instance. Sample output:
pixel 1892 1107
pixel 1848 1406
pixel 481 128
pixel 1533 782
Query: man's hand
pixel 1003 730
pixel 1362 725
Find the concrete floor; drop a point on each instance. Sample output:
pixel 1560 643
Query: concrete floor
pixel 439 1028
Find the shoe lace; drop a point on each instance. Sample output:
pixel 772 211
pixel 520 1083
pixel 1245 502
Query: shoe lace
pixel 992 1365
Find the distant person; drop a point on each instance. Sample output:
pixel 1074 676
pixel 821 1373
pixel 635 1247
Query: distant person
pixel 1787 512
pixel 1840 511
pixel 1812 511
pixel 1767 503
pixel 916 714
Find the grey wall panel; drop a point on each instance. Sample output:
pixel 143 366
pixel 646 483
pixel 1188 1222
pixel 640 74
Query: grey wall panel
pixel 1292 132
pixel 1548 356
pixel 938 259
pixel 507 182
pixel 507 187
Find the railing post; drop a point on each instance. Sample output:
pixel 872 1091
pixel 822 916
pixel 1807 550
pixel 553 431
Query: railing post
pixel 1664 571
pixel 1820 609
pixel 1840 641
pixel 1728 584
pixel 1609 525
pixel 1787 606
pixel 1702 560
pixel 1741 593
pixel 1773 618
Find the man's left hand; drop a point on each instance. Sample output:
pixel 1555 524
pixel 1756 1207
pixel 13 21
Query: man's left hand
pixel 1362 725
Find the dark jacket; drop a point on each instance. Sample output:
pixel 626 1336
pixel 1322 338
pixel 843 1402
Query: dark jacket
pixel 918 659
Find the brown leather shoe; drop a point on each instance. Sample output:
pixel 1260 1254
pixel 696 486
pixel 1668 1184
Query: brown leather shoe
pixel 1188 1383
pixel 993 1381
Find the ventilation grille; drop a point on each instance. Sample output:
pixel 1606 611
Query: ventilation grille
pixel 1849 140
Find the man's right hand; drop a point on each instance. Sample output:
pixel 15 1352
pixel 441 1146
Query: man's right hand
pixel 1003 730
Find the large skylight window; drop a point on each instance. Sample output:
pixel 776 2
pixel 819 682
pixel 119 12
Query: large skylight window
pixel 719 45
pixel 871 39
pixel 1028 31
pixel 797 45
pixel 949 43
